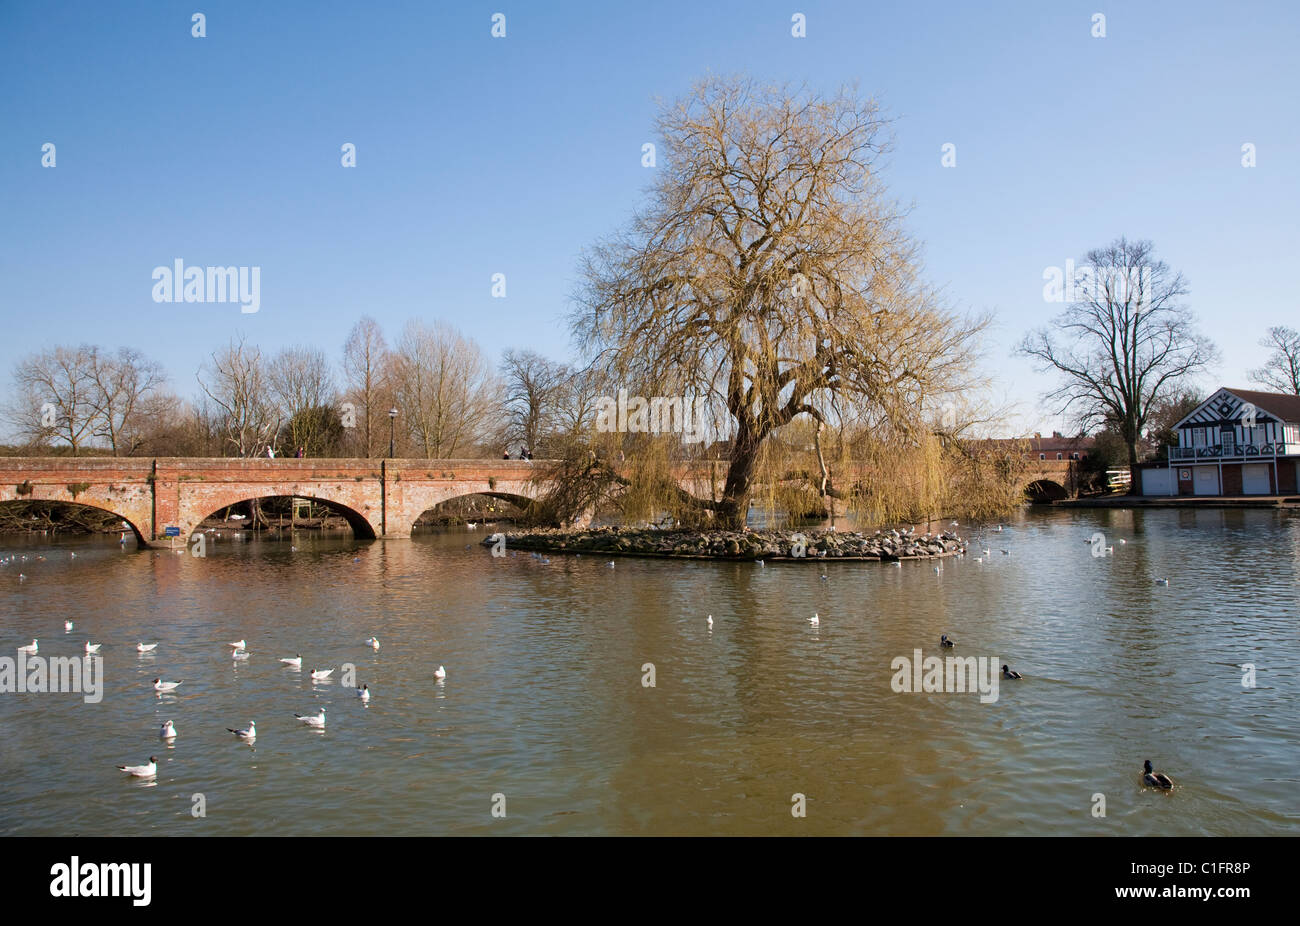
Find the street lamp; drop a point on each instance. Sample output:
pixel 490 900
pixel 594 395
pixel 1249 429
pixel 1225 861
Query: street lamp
pixel 392 430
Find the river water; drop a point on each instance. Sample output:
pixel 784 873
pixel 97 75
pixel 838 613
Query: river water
pixel 544 716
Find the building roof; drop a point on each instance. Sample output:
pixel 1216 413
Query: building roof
pixel 1284 406
pixel 1225 405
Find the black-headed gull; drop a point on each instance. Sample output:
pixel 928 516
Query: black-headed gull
pixel 238 644
pixel 815 620
pixel 160 685
pixel 29 648
pixel 296 661
pixel 168 731
pixel 710 621
pixel 364 692
pixel 93 647
pixel 67 626
pixel 373 642
pixel 248 733
pixel 145 647
pixel 141 771
pixel 317 720
pixel 319 675
pixel 440 673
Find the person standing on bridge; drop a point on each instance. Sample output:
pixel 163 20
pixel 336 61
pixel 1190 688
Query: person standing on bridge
pixel 270 451
pixel 301 453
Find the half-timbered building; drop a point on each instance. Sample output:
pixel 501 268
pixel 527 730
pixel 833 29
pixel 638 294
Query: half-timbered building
pixel 1237 442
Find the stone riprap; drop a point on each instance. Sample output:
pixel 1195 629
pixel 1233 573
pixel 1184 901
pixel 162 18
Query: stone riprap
pixel 743 545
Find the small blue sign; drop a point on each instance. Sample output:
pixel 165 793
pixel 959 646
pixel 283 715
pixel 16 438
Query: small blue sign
pixel 172 531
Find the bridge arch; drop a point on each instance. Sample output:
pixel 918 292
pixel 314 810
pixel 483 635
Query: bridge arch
pixel 1046 490
pixel 8 505
pixel 362 527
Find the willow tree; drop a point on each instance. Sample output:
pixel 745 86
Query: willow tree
pixel 769 273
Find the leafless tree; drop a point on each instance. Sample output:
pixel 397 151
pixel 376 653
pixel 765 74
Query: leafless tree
pixel 125 384
pixel 55 396
pixel 769 273
pixel 445 392
pixel 1282 369
pixel 302 385
pixel 532 390
pixel 365 371
pixel 235 380
pixel 1125 342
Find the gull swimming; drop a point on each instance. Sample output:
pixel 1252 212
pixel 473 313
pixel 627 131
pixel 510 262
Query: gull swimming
pixel 239 654
pixel 364 692
pixel 238 644
pixel 296 661
pixel 710 621
pixel 313 721
pixel 815 620
pixel 67 626
pixel 93 647
pixel 250 733
pixel 141 771
pixel 318 675
pixel 373 642
pixel 168 731
pixel 145 647
pixel 160 685
pixel 29 648
pixel 440 673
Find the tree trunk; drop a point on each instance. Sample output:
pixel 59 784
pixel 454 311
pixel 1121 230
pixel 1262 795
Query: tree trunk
pixel 733 508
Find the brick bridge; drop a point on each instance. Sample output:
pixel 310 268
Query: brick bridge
pixel 378 498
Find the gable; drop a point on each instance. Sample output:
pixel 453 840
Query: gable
pixel 1225 407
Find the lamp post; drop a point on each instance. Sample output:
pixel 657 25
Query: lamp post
pixel 392 430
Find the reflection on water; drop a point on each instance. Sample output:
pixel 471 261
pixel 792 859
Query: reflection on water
pixel 544 702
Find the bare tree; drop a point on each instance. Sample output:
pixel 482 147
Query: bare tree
pixel 235 380
pixel 532 388
pixel 365 371
pixel 56 396
pixel 1282 369
pixel 302 386
pixel 124 386
pixel 445 392
pixel 1125 342
pixel 769 274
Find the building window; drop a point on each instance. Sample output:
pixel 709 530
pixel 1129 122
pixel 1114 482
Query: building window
pixel 1059 457
pixel 1042 456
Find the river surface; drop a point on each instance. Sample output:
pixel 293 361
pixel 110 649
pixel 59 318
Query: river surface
pixel 544 716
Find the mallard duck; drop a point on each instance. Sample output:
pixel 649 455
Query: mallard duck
pixel 1155 779
pixel 1007 673
pixel 944 641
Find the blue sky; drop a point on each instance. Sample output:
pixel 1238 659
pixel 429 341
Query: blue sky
pixel 478 156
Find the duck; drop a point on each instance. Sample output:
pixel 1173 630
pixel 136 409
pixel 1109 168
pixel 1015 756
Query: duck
pixel 1162 581
pixel 160 685
pixel 1155 779
pixel 296 661
pixel 168 731
pixel 141 771
pixel 944 641
pixel 1008 673
pixel 249 733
